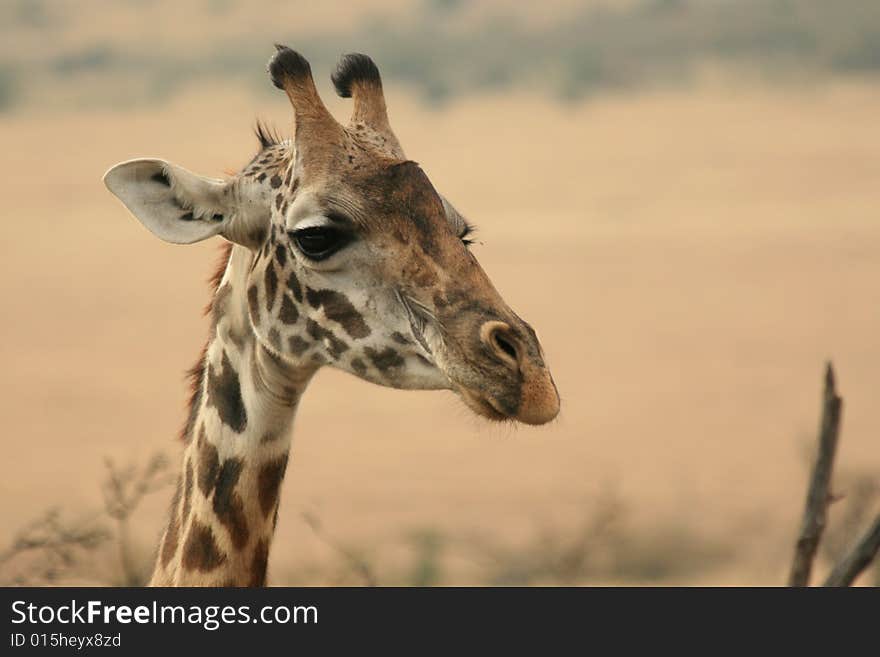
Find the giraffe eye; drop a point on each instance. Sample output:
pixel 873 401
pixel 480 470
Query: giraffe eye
pixel 320 242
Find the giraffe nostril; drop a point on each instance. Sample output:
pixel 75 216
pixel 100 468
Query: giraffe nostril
pixel 505 345
pixel 499 337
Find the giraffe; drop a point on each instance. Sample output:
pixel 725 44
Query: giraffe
pixel 339 252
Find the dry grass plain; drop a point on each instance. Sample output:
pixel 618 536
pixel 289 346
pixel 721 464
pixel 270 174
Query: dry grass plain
pixel 690 259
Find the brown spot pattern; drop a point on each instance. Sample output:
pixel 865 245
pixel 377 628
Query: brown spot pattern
pixel 385 359
pixel 228 505
pixel 297 345
pixel 208 465
pixel 336 347
pixel 275 338
pixel 224 394
pixel 271 280
pixel 269 482
pixel 339 309
pixel 281 255
pixel 200 551
pixel 260 563
pixel 294 286
pixel 289 314
pixel 400 338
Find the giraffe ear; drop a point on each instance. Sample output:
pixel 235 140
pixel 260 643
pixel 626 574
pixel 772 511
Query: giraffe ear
pixel 176 205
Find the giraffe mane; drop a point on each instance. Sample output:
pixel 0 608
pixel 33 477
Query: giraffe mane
pixel 196 374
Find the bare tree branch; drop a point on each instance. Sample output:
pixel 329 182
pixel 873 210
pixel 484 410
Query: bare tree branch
pixel 55 545
pixel 859 558
pixel 124 489
pixel 816 510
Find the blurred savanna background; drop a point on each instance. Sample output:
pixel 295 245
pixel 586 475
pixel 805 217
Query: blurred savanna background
pixel 680 195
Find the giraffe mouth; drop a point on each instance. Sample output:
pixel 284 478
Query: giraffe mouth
pixel 484 406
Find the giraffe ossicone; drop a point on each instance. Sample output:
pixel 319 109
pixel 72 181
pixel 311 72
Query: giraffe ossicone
pixel 340 253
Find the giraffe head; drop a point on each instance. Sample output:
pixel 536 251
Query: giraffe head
pixel 357 261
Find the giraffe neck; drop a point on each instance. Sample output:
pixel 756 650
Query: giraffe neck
pixel 237 441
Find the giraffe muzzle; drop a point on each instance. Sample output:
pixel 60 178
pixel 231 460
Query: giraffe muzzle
pixel 538 401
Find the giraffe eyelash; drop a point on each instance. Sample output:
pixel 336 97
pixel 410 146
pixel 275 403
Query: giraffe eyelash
pixel 465 234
